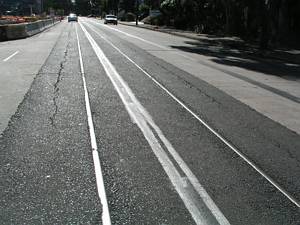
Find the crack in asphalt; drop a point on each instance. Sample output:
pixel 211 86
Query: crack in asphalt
pixel 190 85
pixel 56 84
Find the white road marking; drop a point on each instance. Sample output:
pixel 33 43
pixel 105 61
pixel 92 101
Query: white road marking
pixel 179 53
pixel 219 136
pixel 143 119
pixel 133 36
pixel 146 41
pixel 9 57
pixel 292 64
pixel 97 165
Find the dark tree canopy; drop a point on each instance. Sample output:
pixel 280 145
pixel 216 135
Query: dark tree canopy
pixel 65 5
pixel 270 21
pixel 22 7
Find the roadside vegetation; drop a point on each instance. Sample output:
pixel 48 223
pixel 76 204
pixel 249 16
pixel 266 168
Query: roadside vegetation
pixel 270 23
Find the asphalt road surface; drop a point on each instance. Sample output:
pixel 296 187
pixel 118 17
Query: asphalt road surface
pixel 121 125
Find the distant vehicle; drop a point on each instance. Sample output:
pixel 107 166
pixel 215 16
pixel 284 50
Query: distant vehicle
pixel 9 13
pixel 72 17
pixel 110 19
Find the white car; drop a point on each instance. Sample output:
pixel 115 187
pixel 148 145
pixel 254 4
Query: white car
pixel 72 17
pixel 111 19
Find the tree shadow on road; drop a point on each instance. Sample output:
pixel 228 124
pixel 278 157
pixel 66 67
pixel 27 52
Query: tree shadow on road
pixel 231 52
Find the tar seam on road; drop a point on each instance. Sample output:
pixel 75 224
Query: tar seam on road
pixel 97 165
pixel 219 136
pixel 276 91
pixel 9 57
pixel 58 80
pixel 203 210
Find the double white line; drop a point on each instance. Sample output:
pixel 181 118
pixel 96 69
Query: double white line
pixel 97 165
pixel 202 208
pixel 219 136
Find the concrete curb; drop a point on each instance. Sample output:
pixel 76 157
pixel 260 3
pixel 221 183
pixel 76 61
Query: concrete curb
pixel 24 30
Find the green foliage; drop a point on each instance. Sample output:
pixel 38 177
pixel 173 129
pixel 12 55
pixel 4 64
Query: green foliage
pixel 83 7
pixel 129 17
pixel 169 4
pixel 169 7
pixel 268 21
pixel 58 5
pixel 143 11
pixel 143 8
pixel 127 5
pixel 157 20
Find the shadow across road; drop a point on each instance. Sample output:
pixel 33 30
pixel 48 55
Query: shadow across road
pixel 232 52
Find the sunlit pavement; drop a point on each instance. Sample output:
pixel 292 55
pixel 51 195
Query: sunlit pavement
pixel 123 125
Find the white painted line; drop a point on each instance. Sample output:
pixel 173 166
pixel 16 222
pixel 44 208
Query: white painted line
pixel 132 36
pixel 146 41
pixel 97 165
pixel 244 157
pixel 143 119
pixel 292 64
pixel 179 53
pixel 9 57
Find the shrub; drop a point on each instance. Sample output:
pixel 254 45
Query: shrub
pixel 130 17
pixel 143 11
pixel 156 20
pixel 147 20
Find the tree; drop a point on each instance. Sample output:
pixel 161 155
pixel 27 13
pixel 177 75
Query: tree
pixel 65 5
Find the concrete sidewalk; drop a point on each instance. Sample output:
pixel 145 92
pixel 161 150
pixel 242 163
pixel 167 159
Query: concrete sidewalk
pixel 252 51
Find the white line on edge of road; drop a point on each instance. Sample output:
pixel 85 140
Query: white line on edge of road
pixel 179 53
pixel 146 41
pixel 142 118
pixel 9 57
pixel 133 36
pixel 233 148
pixel 97 165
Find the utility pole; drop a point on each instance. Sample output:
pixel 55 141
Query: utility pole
pixel 137 13
pixel 42 6
pixel 30 6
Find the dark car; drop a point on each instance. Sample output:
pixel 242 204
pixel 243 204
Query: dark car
pixel 72 17
pixel 110 19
